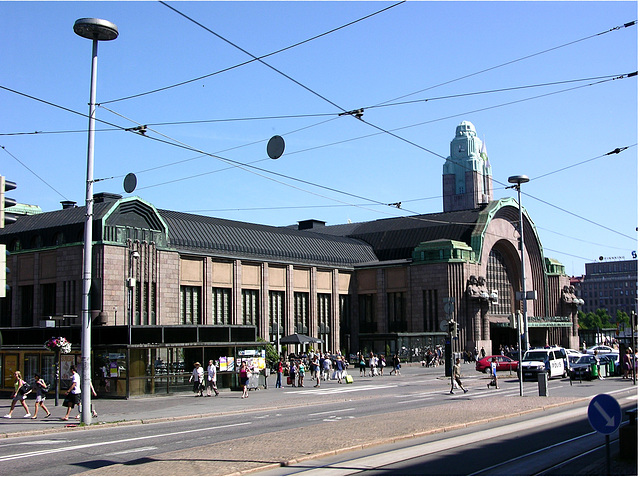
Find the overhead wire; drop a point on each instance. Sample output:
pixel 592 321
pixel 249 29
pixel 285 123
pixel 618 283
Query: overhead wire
pixel 354 113
pixel 324 98
pixel 34 173
pixel 182 83
pixel 485 70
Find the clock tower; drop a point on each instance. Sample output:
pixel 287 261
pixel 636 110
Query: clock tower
pixel 466 175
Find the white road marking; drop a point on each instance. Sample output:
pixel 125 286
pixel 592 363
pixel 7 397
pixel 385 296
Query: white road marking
pixel 332 411
pixel 107 443
pixel 129 451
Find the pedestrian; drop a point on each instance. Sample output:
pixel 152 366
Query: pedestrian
pixel 595 355
pixel 301 372
pixel 292 372
pixel 93 411
pixel 20 394
pixel 396 364
pixel 41 391
pixel 212 378
pixel 363 365
pixel 197 377
pixel 482 352
pixel 626 363
pixel 244 379
pixel 279 371
pixel 381 364
pixel 326 367
pixel 456 377
pixel 494 373
pixel 339 369
pixel 315 371
pixel 74 393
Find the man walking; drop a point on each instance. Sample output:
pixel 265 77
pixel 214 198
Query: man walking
pixel 456 376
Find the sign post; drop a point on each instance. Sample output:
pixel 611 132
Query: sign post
pixel 605 416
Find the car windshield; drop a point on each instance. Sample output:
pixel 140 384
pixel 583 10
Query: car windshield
pixel 535 356
pixel 585 360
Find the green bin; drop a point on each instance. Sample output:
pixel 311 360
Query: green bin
pixel 612 367
pixel 594 370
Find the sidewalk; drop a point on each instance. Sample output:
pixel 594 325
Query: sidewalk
pixel 326 438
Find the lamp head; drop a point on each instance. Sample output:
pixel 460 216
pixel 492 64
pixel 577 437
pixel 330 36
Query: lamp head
pixel 518 179
pixel 95 29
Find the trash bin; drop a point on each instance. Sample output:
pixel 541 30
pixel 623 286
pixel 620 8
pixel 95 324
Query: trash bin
pixel 543 389
pixel 594 370
pixel 612 367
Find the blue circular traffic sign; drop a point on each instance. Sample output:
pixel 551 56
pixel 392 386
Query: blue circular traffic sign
pixel 604 414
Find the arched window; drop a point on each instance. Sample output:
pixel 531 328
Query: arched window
pixel 498 279
pixel 36 242
pixel 58 239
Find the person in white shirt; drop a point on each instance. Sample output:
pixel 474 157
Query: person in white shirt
pixel 74 394
pixel 211 378
pixel 197 377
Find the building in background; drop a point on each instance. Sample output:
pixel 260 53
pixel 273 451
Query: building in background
pixel 609 285
pixel 170 288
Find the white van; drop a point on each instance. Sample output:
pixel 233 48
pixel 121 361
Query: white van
pixel 538 360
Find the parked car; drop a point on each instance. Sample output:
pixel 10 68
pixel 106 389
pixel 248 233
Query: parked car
pixel 504 363
pixel 581 369
pixel 601 349
pixel 538 360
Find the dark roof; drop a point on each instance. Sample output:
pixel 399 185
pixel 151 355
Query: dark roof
pixel 54 219
pixel 240 239
pixel 395 238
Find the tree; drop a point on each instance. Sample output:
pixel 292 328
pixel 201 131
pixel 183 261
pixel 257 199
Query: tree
pixel 593 321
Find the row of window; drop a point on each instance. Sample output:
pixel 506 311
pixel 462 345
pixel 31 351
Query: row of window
pixel 596 294
pixel 605 285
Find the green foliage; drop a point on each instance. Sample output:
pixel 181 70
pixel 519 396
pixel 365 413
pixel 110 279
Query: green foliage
pixel 623 318
pixel 598 320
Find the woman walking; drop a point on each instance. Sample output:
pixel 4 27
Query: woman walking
pixel 244 379
pixel 18 395
pixel 41 395
pixel 197 376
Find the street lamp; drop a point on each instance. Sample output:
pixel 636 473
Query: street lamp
pixel 96 30
pixel 518 181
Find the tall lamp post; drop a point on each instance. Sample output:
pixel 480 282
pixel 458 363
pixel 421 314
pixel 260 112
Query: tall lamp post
pixel 96 30
pixel 518 181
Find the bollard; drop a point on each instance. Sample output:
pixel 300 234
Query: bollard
pixel 543 389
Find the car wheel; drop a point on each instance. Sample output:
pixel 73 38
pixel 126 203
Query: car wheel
pixel 564 373
pixel 486 370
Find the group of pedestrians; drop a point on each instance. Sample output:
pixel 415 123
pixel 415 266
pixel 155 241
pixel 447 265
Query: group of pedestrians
pixel 198 379
pixel 320 366
pixel 40 388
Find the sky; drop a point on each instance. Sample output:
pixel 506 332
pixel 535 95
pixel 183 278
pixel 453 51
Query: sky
pixel 544 83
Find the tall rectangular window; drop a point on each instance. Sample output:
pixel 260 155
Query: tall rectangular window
pixel 250 307
pixel 367 313
pixel 221 306
pixel 324 318
pixel 397 312
pixel 26 305
pixel 301 313
pixel 430 310
pixel 48 299
pixel 276 314
pixel 190 306
pixel 152 304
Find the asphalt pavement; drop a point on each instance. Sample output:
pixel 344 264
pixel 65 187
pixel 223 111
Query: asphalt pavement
pixel 338 436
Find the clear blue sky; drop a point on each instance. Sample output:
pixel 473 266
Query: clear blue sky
pixel 430 49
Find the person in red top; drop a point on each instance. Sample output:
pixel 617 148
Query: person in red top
pixel 279 371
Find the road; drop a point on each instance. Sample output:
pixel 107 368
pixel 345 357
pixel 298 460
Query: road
pixel 242 434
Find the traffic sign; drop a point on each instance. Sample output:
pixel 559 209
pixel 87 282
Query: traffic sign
pixel 604 414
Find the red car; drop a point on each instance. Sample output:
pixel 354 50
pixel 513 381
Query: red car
pixel 504 363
